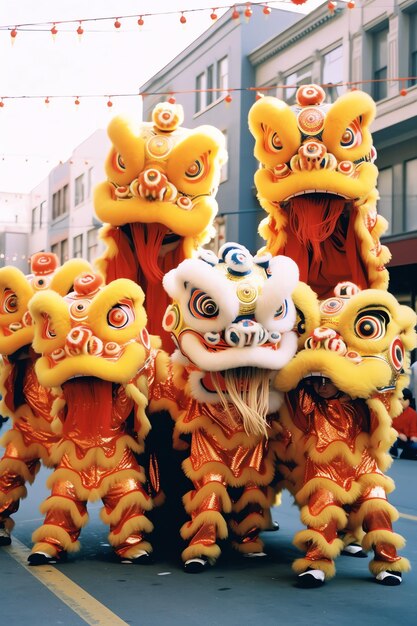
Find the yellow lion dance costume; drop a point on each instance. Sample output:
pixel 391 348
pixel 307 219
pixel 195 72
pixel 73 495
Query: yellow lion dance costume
pixel 98 360
pixel 342 390
pixel 158 205
pixel 158 202
pixel 24 400
pixel 317 182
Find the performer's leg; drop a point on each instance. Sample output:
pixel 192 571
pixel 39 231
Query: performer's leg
pixel 376 515
pixel 250 515
pixel 15 471
pixel 324 517
pixel 124 510
pixel 206 505
pixel 352 537
pixel 65 515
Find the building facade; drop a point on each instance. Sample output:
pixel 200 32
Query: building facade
pixel 62 212
pixel 14 229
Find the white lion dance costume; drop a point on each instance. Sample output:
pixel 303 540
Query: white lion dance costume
pixel 98 360
pixel 231 319
pixel 24 400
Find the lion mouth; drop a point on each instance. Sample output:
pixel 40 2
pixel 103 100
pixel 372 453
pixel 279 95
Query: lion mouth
pixel 313 193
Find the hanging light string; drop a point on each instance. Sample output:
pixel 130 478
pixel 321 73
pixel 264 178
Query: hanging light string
pixel 53 26
pixel 226 93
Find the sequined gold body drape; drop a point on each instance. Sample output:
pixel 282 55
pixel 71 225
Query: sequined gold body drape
pixel 95 459
pixel 29 440
pixel 339 487
pixel 231 473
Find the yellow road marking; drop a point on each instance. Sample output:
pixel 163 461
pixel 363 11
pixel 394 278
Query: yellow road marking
pixel 407 516
pixel 78 600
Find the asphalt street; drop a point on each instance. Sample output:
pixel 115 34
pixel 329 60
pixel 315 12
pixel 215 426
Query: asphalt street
pixel 93 587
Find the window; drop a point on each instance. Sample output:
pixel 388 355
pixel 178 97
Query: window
pixel 77 247
pixel 35 219
pixel 92 244
pixel 89 182
pixel 210 84
pixel 380 64
pixel 385 197
pixel 65 198
pixel 200 94
pixel 64 251
pixel 333 73
pixel 411 195
pixel 42 213
pixel 413 49
pixel 61 250
pixel 303 76
pixel 79 190
pixel 207 81
pixel 55 205
pixel 222 77
pixel 60 203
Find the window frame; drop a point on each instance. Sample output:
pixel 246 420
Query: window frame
pixel 380 71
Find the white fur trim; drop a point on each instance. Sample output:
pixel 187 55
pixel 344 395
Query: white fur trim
pixel 249 356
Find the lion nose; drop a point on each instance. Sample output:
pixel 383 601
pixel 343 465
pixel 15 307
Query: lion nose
pixel 313 155
pixel 152 184
pixel 246 333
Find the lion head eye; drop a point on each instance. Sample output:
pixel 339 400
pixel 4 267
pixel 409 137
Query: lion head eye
pixel 202 305
pixel 282 311
pixel 198 169
pixel 272 141
pixel 371 324
pixel 397 354
pixel 10 302
pixel 118 162
pixel 352 136
pixel 119 316
pixel 195 171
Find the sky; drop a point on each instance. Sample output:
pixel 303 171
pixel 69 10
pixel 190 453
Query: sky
pixel 103 62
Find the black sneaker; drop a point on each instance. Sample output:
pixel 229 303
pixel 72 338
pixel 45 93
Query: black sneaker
pixel 196 565
pixel 143 558
pixel 311 579
pixel 389 578
pixel 5 539
pixel 355 550
pixel 41 558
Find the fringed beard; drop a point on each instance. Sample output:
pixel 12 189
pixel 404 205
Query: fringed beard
pixel 247 389
pixel 148 240
pixel 313 219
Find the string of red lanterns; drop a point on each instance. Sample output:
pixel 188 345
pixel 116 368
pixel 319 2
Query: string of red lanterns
pixel 246 7
pixel 227 97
